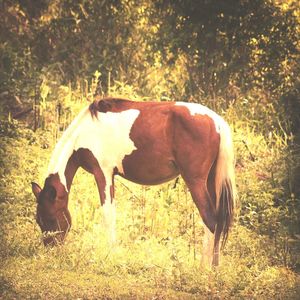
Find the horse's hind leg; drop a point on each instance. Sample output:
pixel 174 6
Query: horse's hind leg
pixel 196 147
pixel 207 248
pixel 203 201
pixel 196 175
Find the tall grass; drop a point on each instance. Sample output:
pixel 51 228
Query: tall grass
pixel 159 229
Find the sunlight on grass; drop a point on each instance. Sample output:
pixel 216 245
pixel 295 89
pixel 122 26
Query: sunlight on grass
pixel 159 231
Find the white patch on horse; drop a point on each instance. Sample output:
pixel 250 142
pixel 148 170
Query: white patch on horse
pixel 109 212
pixel 200 109
pixel 64 148
pixel 107 137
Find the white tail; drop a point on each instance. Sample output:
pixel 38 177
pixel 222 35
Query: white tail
pixel 225 184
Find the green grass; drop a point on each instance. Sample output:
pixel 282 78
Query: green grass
pixel 133 273
pixel 30 281
pixel 159 239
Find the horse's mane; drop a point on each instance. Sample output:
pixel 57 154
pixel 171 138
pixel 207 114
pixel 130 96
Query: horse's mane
pixel 93 108
pixel 105 104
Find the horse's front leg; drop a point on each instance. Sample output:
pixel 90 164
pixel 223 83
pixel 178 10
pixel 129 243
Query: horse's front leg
pixel 109 211
pixel 105 186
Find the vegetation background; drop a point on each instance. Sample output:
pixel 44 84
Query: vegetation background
pixel 239 57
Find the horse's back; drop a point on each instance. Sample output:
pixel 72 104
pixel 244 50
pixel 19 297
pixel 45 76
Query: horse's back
pixel 167 136
pixel 163 124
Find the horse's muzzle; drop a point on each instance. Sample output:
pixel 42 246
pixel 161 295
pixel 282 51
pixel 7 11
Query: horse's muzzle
pixel 54 239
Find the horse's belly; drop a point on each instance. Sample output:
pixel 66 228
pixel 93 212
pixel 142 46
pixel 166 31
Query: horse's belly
pixel 149 168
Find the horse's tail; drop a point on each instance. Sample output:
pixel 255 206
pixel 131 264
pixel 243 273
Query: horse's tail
pixel 225 185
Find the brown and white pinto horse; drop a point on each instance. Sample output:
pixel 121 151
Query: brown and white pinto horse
pixel 148 143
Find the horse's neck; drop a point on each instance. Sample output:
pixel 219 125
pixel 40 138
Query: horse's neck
pixel 63 186
pixel 63 160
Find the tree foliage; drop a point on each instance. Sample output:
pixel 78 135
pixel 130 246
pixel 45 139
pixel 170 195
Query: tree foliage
pixel 245 43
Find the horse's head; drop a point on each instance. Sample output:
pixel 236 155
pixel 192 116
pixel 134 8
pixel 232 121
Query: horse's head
pixel 52 214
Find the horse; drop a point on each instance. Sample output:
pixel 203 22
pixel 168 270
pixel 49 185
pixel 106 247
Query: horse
pixel 148 143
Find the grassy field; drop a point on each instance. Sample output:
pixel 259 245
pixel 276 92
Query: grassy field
pixel 240 60
pixel 159 240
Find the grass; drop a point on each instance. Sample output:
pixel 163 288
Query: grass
pixel 63 284
pixel 159 240
pixel 131 272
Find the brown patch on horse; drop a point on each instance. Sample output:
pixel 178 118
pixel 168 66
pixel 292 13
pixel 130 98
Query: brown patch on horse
pixel 89 163
pixel 153 161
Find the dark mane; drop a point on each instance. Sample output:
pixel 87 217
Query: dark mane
pixel 106 104
pixel 94 108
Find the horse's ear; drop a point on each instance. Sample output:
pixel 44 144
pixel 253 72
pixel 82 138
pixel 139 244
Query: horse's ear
pixel 36 189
